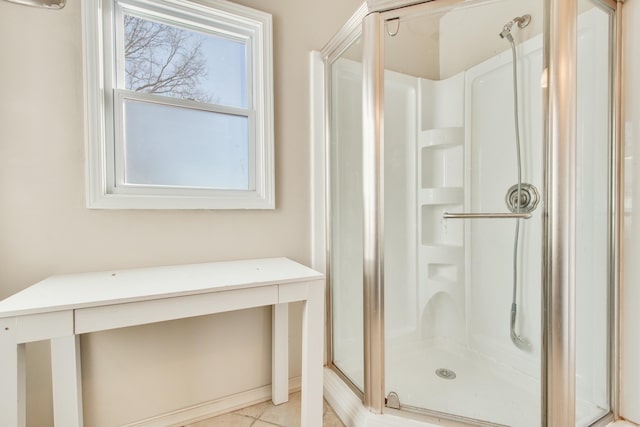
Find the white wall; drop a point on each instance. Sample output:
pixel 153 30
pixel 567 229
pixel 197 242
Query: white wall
pixel 45 229
pixel 630 294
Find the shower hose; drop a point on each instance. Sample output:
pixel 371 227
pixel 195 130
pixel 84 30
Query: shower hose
pixel 517 340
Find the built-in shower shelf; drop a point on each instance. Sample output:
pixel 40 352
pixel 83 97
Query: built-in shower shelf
pixel 454 290
pixel 448 254
pixel 443 285
pixel 441 137
pixel 440 188
pixel 441 196
pixel 441 166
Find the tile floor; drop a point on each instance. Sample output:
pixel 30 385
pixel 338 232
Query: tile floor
pixel 267 415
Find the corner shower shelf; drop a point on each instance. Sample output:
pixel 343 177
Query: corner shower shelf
pixel 441 196
pixel 441 253
pixel 439 137
pixel 441 162
pixel 454 289
pixel 440 188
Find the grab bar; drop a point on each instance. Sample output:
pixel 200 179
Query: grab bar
pixel 482 215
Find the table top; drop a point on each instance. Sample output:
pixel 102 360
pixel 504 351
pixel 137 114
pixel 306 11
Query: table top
pixel 72 291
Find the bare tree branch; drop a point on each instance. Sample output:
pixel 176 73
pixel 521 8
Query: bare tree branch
pixel 163 59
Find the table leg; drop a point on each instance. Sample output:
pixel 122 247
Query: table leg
pixel 280 354
pixel 66 381
pixel 312 360
pixel 12 376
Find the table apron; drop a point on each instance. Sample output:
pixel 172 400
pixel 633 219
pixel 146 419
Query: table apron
pixel 151 311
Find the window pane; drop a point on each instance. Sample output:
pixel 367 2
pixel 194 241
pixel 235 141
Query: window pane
pixel 174 146
pixel 170 61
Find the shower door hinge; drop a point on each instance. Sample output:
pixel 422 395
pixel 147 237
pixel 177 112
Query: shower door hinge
pixel 392 400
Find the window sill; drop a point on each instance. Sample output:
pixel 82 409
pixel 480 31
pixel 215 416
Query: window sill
pixel 226 200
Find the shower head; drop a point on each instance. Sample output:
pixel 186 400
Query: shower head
pixel 522 22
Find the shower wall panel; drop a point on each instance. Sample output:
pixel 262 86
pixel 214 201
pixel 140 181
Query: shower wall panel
pixel 491 166
pixel 401 118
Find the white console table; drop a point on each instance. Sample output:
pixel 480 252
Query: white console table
pixel 62 307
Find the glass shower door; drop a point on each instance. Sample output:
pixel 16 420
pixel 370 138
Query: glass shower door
pixel 464 134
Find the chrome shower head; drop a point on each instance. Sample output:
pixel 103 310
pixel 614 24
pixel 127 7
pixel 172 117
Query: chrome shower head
pixel 522 22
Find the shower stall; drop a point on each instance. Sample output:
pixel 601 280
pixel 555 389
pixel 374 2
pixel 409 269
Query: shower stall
pixel 468 153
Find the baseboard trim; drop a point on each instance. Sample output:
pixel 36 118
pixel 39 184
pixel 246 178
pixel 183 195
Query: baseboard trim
pixel 213 408
pixel 349 408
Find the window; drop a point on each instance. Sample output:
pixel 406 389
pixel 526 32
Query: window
pixel 179 105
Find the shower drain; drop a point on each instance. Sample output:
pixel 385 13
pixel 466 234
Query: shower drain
pixel 445 373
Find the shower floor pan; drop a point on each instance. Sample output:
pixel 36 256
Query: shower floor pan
pixel 470 387
pixel 481 389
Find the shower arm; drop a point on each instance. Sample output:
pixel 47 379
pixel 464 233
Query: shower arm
pixel 488 215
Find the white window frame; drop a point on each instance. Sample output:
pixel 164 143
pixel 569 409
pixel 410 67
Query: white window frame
pixel 106 188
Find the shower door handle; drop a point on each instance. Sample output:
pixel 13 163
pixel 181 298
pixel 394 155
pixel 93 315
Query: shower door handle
pixel 483 215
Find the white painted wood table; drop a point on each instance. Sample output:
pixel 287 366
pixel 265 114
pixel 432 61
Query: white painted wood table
pixel 62 307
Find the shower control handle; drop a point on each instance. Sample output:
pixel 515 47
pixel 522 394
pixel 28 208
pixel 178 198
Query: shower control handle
pixel 483 215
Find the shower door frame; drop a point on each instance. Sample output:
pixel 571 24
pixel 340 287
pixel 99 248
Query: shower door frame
pixel 559 263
